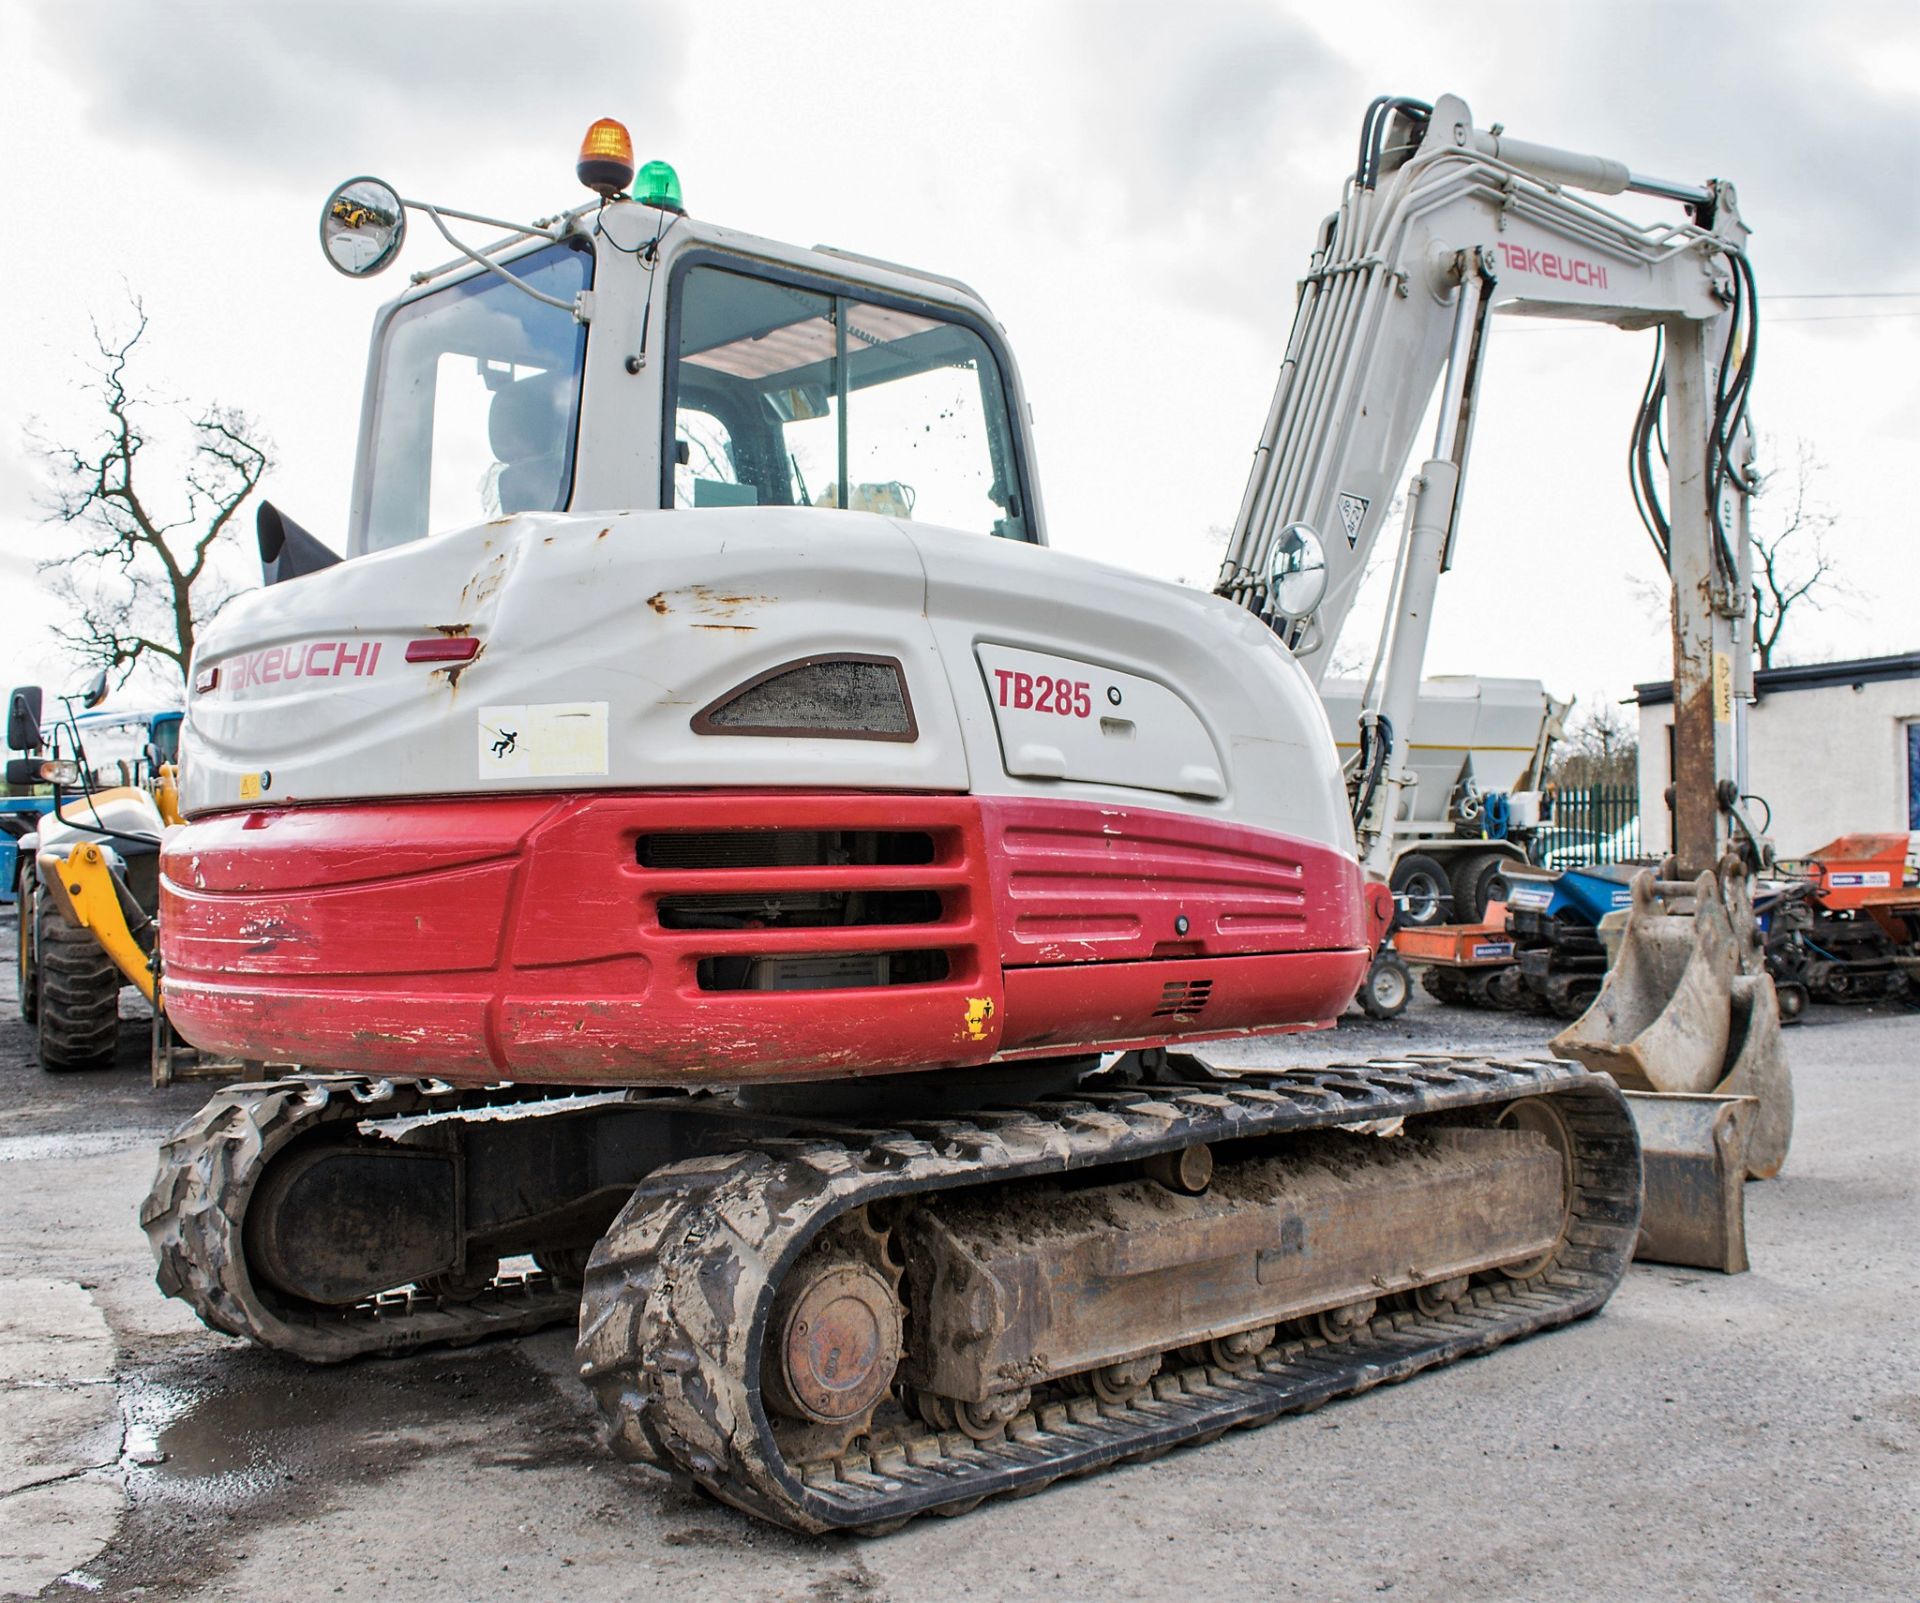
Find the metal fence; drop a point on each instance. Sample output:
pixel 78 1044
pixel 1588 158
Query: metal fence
pixel 1595 824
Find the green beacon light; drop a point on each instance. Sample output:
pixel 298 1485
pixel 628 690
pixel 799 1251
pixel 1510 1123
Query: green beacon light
pixel 658 185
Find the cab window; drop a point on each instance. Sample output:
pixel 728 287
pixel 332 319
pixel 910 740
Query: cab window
pixel 790 396
pixel 477 402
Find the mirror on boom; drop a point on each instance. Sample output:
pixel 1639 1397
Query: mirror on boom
pixel 1297 574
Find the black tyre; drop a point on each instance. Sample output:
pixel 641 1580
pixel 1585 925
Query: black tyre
pixel 1387 988
pixel 1422 892
pixel 78 995
pixel 1792 997
pixel 26 995
pixel 1479 878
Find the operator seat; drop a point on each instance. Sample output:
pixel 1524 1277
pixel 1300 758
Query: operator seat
pixel 528 426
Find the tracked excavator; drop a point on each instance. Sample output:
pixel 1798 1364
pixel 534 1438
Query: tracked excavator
pixel 728 880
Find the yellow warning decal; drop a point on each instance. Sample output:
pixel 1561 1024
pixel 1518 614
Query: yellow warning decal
pixel 250 787
pixel 979 1014
pixel 1722 688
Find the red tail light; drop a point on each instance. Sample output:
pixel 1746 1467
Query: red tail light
pixel 443 648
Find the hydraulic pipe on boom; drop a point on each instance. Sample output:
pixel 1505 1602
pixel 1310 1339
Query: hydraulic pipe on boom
pixel 1441 224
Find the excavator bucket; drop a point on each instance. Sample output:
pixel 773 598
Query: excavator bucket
pixel 1662 1020
pixel 1688 1024
pixel 1693 1154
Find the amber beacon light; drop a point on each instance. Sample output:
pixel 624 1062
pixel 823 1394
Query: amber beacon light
pixel 606 158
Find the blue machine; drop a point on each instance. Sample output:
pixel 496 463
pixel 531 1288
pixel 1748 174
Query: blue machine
pixel 1553 921
pixel 18 816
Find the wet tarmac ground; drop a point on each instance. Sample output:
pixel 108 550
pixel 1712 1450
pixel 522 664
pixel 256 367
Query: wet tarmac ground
pixel 1757 1436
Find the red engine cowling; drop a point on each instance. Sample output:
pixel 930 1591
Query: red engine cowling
pixel 726 938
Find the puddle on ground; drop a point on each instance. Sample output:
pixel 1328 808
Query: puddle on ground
pixel 237 1439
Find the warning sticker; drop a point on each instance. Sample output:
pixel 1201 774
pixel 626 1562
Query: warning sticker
pixel 545 740
pixel 1353 513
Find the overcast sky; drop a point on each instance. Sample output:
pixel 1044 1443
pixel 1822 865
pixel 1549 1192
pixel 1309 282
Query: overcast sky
pixel 1134 189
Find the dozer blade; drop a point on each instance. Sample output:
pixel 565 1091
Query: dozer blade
pixel 1662 1020
pixel 1693 1153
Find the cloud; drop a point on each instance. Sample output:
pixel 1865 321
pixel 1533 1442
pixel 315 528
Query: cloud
pixel 286 90
pixel 1215 136
pixel 1781 99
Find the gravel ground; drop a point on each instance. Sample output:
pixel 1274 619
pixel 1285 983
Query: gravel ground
pixel 1703 1437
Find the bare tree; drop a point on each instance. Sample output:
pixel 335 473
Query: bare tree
pixel 1602 747
pixel 1791 563
pixel 142 575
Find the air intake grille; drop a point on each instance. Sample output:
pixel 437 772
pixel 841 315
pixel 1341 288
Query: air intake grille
pixel 1182 996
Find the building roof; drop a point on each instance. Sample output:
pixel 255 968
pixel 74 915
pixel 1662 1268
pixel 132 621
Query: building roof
pixel 1807 676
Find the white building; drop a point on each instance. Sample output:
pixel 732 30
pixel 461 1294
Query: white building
pixel 1833 749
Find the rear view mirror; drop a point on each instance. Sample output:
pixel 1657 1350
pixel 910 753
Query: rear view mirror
pixel 23 773
pixel 96 691
pixel 23 719
pixel 800 403
pixel 362 227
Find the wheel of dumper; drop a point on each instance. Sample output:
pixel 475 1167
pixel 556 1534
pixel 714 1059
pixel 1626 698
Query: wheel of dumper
pixel 26 994
pixel 1478 879
pixel 1792 997
pixel 1421 890
pixel 77 1000
pixel 1388 987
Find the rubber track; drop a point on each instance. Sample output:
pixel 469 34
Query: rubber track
pixel 208 1169
pixel 679 1290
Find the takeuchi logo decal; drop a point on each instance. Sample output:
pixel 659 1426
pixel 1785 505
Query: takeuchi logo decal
pixel 319 659
pixel 1545 264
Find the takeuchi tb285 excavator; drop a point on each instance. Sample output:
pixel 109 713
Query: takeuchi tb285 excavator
pixel 701 840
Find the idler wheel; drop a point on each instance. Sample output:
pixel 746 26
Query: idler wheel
pixel 835 1338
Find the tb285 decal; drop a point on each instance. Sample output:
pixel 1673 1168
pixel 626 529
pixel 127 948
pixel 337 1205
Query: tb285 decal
pixel 1041 692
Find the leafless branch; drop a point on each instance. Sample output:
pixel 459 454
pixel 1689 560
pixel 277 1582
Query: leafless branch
pixel 138 573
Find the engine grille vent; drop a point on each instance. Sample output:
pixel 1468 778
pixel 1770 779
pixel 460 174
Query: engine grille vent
pixel 785 848
pixel 1182 996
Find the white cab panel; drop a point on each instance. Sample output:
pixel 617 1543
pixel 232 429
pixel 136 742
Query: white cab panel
pixel 1066 718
